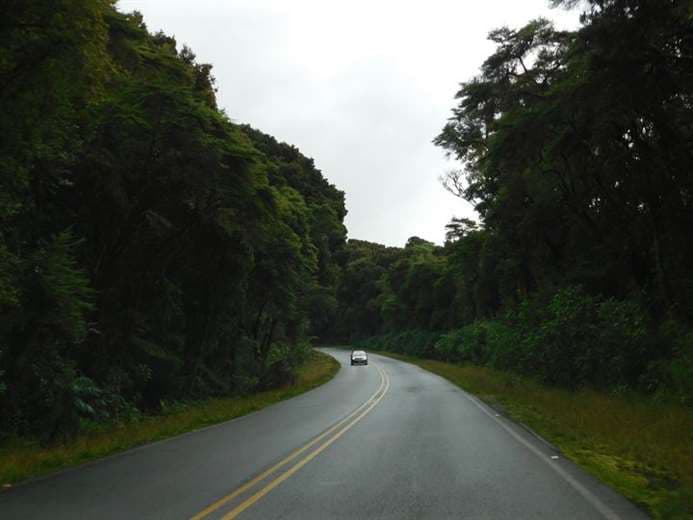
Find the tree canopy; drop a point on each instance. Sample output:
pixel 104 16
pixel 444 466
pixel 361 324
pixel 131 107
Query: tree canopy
pixel 153 250
pixel 150 248
pixel 575 149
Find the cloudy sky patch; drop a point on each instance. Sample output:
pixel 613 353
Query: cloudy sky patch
pixel 361 86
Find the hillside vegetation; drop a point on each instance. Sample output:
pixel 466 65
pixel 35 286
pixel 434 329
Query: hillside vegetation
pixel 155 253
pixel 150 249
pixel 569 302
pixel 577 153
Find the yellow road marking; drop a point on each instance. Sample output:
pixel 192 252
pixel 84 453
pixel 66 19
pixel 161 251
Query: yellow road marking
pixel 281 478
pixel 248 485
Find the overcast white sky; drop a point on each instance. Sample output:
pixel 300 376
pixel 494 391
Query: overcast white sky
pixel 361 86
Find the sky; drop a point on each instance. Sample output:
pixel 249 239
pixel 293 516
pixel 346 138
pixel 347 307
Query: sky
pixel 362 87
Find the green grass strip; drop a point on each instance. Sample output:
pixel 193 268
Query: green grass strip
pixel 22 458
pixel 638 446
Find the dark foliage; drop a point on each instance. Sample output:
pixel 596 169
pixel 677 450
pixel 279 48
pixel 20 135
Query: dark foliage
pixel 150 249
pixel 577 152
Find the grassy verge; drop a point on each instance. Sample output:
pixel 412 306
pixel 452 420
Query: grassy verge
pixel 642 448
pixel 21 458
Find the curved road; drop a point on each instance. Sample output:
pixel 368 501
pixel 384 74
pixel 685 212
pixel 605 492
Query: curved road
pixel 388 440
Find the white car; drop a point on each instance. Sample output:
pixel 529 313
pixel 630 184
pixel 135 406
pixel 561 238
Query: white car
pixel 359 357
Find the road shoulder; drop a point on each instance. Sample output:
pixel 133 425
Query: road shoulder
pixel 537 409
pixel 22 460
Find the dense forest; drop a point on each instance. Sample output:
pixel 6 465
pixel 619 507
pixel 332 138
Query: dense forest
pixel 150 248
pixel 153 250
pixel 577 153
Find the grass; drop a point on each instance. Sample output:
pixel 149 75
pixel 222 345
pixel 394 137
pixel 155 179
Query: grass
pixel 21 458
pixel 640 447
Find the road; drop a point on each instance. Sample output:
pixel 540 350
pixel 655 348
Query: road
pixel 388 440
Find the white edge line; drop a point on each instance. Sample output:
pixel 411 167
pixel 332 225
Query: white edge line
pixel 591 498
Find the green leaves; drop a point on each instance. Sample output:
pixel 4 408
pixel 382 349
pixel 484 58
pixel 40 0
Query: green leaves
pixel 62 293
pixel 575 149
pixel 150 249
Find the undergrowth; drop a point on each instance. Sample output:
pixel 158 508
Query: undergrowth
pixel 24 458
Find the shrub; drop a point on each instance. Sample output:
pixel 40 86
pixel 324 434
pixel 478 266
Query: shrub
pixel 569 339
pixel 578 339
pixel 680 369
pixel 504 345
pixel 2 385
pixel 282 361
pixel 411 342
pixel 468 344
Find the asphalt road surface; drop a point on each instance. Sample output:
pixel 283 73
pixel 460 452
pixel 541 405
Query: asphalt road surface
pixel 388 440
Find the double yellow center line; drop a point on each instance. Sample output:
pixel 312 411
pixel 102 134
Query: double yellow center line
pixel 324 440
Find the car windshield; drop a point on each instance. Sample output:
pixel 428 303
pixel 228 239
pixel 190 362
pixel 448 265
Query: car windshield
pixel 359 353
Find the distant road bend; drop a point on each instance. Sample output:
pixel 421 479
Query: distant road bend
pixel 388 440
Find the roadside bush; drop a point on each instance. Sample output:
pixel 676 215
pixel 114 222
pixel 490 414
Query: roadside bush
pixel 568 339
pixel 282 361
pixel 504 344
pixel 680 369
pixel 468 344
pixel 419 343
pixel 577 339
pixel 488 342
pixel 624 345
pixel 2 385
pixel 446 348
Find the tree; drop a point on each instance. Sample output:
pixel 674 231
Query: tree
pixel 150 248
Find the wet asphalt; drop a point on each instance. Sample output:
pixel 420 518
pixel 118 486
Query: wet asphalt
pixel 387 440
